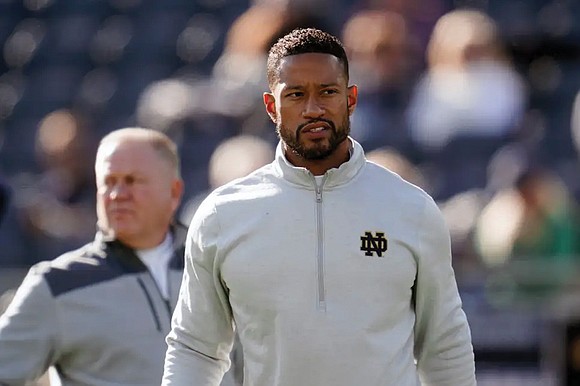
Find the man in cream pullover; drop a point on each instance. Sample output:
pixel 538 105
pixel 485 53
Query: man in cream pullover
pixel 332 270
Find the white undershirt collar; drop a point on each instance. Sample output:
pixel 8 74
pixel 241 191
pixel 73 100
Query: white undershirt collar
pixel 157 261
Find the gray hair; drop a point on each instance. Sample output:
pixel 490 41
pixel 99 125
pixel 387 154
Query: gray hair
pixel 159 141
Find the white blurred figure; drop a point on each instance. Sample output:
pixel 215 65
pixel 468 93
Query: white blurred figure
pixel 536 218
pixel 470 87
pixel 468 104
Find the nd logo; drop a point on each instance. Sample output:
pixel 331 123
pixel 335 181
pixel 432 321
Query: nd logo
pixel 371 244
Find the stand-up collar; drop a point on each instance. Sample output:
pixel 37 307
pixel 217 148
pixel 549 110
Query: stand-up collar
pixel 334 177
pixel 106 245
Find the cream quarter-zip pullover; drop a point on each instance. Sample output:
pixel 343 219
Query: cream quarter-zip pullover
pixel 345 284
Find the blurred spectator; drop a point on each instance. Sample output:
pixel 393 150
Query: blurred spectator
pixel 177 107
pixel 469 102
pixel 236 157
pixel 308 13
pixel 461 212
pixel 420 15
pixel 233 158
pixel 535 218
pixel 470 87
pixel 243 59
pixel 54 210
pixel 396 162
pixel 463 209
pixel 238 76
pixel 528 234
pixel 383 63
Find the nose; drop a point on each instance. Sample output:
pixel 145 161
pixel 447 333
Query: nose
pixel 118 191
pixel 313 108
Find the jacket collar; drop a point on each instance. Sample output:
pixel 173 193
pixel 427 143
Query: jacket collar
pixel 333 177
pixel 126 257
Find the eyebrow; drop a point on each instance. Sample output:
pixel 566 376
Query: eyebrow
pixel 321 85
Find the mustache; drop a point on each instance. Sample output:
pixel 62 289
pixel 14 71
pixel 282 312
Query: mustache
pixel 328 122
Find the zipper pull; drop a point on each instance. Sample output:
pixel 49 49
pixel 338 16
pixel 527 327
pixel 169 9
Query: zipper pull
pixel 318 187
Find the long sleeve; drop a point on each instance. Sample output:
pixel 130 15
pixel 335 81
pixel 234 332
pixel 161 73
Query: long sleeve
pixel 442 337
pixel 202 331
pixel 28 332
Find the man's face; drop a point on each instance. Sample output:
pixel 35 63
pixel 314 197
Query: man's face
pixel 311 104
pixel 137 193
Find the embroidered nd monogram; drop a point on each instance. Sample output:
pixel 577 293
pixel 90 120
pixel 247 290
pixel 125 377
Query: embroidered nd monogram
pixel 373 244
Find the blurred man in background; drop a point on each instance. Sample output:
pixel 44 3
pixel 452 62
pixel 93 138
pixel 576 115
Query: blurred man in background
pixel 383 61
pixel 99 314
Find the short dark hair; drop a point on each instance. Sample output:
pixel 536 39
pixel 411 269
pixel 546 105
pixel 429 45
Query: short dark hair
pixel 302 41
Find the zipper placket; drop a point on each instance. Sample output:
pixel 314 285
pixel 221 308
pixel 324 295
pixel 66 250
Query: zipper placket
pixel 150 302
pixel 169 292
pixel 150 299
pixel 160 293
pixel 321 298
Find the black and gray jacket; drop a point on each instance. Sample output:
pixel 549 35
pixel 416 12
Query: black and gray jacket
pixel 95 313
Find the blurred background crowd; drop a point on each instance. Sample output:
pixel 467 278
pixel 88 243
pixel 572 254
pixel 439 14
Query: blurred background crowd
pixel 476 101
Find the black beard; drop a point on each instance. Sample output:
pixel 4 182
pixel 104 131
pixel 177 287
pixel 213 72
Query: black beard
pixel 317 152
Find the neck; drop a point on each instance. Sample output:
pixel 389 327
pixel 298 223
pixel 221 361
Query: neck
pixel 151 241
pixel 320 166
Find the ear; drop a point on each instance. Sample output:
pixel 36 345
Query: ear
pixel 177 187
pixel 270 103
pixel 352 98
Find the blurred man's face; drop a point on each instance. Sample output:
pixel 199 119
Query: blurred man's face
pixel 137 193
pixel 311 105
